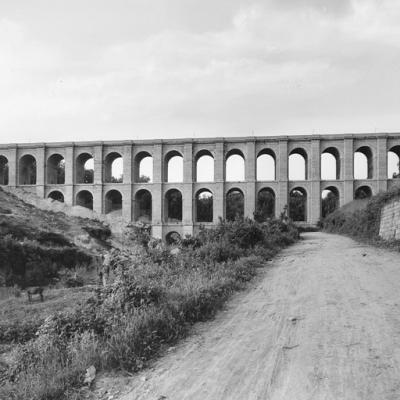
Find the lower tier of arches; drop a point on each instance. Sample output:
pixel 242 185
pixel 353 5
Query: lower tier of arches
pixel 183 207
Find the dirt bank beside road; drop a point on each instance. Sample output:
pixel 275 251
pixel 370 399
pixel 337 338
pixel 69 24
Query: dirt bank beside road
pixel 322 323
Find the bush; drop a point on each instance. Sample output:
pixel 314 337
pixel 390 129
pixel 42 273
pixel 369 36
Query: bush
pixel 27 263
pixel 153 300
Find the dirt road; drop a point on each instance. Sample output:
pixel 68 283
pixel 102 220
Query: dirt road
pixel 322 323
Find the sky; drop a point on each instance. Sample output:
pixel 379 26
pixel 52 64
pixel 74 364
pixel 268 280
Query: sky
pixel 141 69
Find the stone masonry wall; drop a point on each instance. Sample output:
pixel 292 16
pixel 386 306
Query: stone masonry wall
pixel 389 228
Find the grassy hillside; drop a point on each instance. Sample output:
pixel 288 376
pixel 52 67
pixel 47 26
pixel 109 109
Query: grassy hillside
pixel 35 244
pixel 360 218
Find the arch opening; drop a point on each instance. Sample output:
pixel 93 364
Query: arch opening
pixel 27 170
pixel 234 205
pixel 56 170
pixel 4 171
pixel 174 163
pixel 113 202
pixel 266 165
pixel 235 166
pixel 330 164
pixel 265 208
pixel 363 166
pixel 173 206
pixel 85 168
pixel 143 206
pixel 298 165
pixel 113 168
pixel 56 195
pixel 144 167
pixel 298 205
pixel 84 199
pixel 204 206
pixel 393 162
pixel 363 192
pixel 173 238
pixel 205 167
pixel 329 200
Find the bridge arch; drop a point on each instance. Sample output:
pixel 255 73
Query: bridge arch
pixel 363 192
pixel 4 170
pixel 27 170
pixel 204 205
pixel 298 165
pixel 143 206
pixel 234 207
pixel 84 168
pixel 298 204
pixel 113 168
pixel 173 205
pixel 235 166
pixel 57 195
pixel 113 202
pixel 55 167
pixel 330 200
pixel 174 167
pixel 84 198
pixel 266 165
pixel 330 164
pixel 143 167
pixel 265 204
pixel 172 238
pixel 204 166
pixel 363 163
pixel 393 162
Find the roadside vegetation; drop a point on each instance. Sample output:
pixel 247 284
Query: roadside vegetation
pixel 155 294
pixel 35 245
pixel 360 219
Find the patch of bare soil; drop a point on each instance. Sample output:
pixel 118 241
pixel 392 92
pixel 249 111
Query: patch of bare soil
pixel 323 323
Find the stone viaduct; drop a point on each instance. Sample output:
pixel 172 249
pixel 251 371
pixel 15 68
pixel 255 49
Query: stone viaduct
pixel 60 171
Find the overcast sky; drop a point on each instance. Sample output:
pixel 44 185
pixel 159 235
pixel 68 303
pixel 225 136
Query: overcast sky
pixel 129 69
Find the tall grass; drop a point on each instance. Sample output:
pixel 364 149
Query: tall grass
pixel 154 299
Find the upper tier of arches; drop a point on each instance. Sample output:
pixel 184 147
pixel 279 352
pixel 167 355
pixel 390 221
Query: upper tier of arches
pixel 235 164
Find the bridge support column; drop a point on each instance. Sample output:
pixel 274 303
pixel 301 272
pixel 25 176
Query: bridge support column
pixel 98 179
pixel 219 177
pixel 250 177
pixel 13 168
pixel 127 182
pixel 69 176
pixel 282 199
pixel 314 205
pixel 348 172
pixel 158 195
pixel 381 162
pixel 40 171
pixel 187 200
pixel 98 198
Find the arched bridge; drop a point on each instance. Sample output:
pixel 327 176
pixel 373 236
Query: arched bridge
pixel 178 185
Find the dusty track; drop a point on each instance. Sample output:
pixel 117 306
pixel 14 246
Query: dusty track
pixel 322 323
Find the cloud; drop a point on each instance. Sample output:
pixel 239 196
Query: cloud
pixel 265 67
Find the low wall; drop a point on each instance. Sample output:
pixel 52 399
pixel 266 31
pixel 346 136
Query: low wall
pixel 389 228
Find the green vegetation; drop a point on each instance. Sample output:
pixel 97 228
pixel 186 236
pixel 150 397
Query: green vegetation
pixel 20 320
pixel 361 218
pixel 35 244
pixel 155 296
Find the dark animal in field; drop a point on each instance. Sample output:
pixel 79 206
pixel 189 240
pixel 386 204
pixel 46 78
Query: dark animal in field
pixel 34 290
